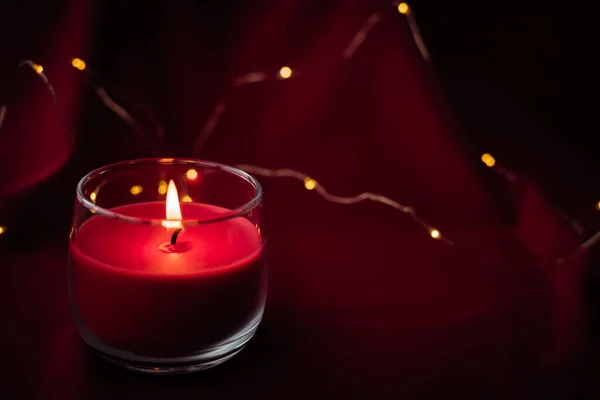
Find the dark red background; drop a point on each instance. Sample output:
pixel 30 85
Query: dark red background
pixel 361 300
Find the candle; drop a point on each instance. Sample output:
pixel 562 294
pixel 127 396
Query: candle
pixel 167 291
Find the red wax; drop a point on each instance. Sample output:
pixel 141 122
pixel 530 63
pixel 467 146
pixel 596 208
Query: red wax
pixel 132 295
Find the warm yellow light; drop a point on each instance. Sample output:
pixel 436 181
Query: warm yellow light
pixel 285 72
pixel 488 160
pixel 186 199
pixel 38 68
pixel 78 63
pixel 598 205
pixel 162 187
pixel 173 210
pixel 135 190
pixel 191 174
pixel 93 197
pixel 310 183
pixel 435 234
pixel 403 8
pixel 2 230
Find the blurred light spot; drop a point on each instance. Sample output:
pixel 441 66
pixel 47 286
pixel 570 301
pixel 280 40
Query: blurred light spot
pixel 162 187
pixel 93 197
pixel 598 205
pixel 78 63
pixel 135 190
pixel 186 199
pixel 191 174
pixel 166 160
pixel 403 8
pixel 38 68
pixel 435 234
pixel 93 211
pixel 310 183
pixel 285 72
pixel 2 229
pixel 488 160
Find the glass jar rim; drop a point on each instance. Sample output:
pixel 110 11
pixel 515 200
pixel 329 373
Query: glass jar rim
pixel 236 212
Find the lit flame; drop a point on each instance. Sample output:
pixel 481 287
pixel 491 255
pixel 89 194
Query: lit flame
pixel 172 207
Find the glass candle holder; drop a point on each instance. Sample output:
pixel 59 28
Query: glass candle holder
pixel 166 263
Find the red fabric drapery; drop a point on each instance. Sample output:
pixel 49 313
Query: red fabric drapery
pixel 360 297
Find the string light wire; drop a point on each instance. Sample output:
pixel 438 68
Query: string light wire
pixel 287 73
pixel 311 184
pixel 361 35
pixel 112 105
pixel 588 244
pixel 404 9
pixel 210 125
pixel 252 77
pixel 39 70
pixel 3 112
pixel 117 109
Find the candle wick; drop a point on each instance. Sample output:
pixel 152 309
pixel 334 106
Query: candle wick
pixel 174 237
